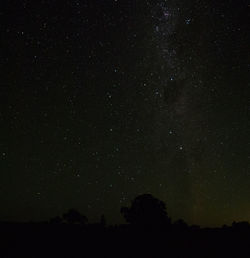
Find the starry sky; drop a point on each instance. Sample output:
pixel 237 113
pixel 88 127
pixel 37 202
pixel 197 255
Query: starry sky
pixel 104 100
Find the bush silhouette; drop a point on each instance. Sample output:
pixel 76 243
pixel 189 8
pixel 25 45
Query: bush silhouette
pixel 146 210
pixel 73 216
pixel 180 225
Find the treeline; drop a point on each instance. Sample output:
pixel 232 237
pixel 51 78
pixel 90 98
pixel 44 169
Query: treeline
pixel 148 233
pixel 145 211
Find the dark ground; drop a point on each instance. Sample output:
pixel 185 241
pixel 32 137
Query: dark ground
pixel 65 240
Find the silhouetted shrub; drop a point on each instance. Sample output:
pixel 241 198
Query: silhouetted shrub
pixel 74 217
pixel 180 225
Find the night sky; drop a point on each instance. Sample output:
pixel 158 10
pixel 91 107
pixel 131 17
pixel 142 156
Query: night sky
pixel 104 100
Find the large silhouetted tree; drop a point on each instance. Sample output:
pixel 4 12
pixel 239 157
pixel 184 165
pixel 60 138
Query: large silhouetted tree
pixel 146 210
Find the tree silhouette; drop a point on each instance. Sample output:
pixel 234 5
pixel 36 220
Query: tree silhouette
pixel 146 210
pixel 73 216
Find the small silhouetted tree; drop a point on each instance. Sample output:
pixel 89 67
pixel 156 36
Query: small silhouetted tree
pixel 73 216
pixel 146 210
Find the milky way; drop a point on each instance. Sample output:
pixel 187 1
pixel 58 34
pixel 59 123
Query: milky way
pixel 105 100
pixel 188 93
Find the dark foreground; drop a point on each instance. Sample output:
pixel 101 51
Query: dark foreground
pixel 64 240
